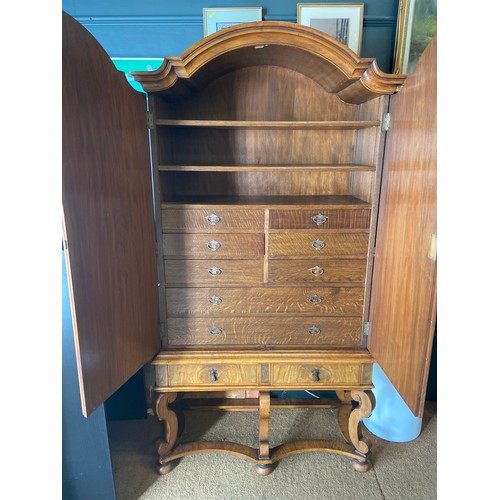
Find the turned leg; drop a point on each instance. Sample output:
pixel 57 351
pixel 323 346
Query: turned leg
pixel 362 445
pixel 171 421
pixel 264 466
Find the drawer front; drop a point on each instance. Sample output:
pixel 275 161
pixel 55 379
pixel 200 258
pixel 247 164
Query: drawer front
pixel 212 221
pixel 317 374
pixel 320 219
pixel 214 272
pixel 211 246
pixel 318 245
pixel 212 375
pixel 295 330
pixel 337 301
pixel 317 271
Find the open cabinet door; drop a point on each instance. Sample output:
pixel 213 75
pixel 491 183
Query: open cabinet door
pixel 108 218
pixel 403 306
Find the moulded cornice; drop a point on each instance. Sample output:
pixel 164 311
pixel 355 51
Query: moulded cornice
pixel 320 57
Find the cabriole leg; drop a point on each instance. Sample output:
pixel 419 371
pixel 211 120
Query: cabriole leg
pixel 165 444
pixel 362 446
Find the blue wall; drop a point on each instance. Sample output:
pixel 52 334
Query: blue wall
pixel 160 28
pixel 86 458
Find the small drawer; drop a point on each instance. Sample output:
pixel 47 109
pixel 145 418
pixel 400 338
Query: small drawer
pixel 216 220
pixel 278 331
pixel 317 271
pixel 318 245
pixel 214 272
pixel 213 374
pixel 311 375
pixel 337 301
pixel 211 246
pixel 328 218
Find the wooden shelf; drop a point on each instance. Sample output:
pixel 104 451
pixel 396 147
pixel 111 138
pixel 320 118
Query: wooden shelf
pixel 266 168
pixel 268 201
pixel 291 124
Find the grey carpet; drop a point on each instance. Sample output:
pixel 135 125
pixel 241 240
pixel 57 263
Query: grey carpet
pixel 402 471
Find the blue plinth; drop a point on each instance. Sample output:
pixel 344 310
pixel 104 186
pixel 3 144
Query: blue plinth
pixel 391 419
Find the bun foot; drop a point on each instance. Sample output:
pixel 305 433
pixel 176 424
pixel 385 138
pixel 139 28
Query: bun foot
pixel 264 469
pixel 163 469
pixel 361 466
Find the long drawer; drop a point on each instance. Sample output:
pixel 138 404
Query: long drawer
pixel 328 218
pixel 218 220
pixel 289 330
pixel 335 301
pixel 318 244
pixel 211 246
pixel 316 271
pixel 214 272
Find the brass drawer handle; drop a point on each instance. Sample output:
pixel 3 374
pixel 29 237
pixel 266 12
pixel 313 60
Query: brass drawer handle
pixel 315 299
pixel 316 270
pixel 213 219
pixel 318 244
pixel 214 245
pixel 215 330
pixel 214 271
pixel 314 330
pixel 319 219
pixel 213 375
pixel 315 374
pixel 215 300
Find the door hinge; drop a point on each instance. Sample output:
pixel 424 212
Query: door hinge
pixel 149 120
pixel 366 328
pixel 432 254
pixel 386 122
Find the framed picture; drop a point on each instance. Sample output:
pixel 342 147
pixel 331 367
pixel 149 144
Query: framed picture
pixel 219 19
pixel 343 21
pixel 417 25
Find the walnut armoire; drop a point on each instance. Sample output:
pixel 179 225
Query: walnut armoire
pixel 264 221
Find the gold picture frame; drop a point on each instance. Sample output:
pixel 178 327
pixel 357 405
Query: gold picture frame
pixel 221 18
pixel 342 21
pixel 417 25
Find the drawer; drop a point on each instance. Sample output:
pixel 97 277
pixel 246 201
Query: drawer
pixel 335 301
pixel 289 330
pixel 214 272
pixel 210 246
pixel 222 374
pixel 318 245
pixel 215 220
pixel 328 218
pixel 317 271
pixel 320 374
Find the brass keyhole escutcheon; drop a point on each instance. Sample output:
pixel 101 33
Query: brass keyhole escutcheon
pixel 315 375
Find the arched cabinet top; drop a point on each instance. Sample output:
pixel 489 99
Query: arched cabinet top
pixel 314 54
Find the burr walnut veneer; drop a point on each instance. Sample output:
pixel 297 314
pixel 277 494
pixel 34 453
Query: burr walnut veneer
pixel 252 256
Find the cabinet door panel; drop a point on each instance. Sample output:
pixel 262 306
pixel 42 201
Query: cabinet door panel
pixel 108 218
pixel 403 306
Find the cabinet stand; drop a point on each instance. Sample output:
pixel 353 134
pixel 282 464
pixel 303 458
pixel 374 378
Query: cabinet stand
pixel 353 407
